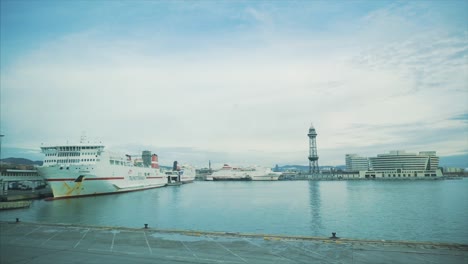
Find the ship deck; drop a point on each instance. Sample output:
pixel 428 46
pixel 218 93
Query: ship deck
pixel 22 242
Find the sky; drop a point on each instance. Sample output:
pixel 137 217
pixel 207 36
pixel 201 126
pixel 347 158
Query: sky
pixel 236 82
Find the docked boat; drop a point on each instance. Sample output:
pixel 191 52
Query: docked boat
pixel 228 173
pixel 89 169
pixel 183 174
pixel 187 174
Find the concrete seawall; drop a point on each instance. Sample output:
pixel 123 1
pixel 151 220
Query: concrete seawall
pixel 59 243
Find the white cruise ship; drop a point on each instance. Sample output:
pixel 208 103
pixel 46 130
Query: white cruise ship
pixel 228 173
pixel 88 169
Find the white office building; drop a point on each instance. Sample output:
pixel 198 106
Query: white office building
pixel 354 162
pixel 401 164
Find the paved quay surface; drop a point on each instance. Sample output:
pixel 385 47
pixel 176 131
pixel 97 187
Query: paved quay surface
pixel 59 243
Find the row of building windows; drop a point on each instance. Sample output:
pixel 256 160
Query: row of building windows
pixel 399 175
pixel 404 175
pixel 117 162
pixel 76 148
pixel 13 174
pixel 70 154
pixel 404 162
pixel 69 161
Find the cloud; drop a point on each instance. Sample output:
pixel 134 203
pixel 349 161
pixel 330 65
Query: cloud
pixel 249 93
pixel 463 117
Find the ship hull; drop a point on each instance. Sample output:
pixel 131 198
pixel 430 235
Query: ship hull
pixel 230 179
pixel 74 182
pixel 274 177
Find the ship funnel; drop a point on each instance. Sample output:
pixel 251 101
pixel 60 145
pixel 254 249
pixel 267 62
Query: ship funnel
pixel 174 167
pixel 154 161
pixel 146 156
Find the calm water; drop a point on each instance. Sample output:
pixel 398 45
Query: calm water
pixel 396 210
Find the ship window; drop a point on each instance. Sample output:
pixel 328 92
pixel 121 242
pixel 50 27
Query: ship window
pixel 112 162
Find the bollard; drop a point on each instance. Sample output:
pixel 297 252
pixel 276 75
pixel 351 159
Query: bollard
pixel 146 225
pixel 17 220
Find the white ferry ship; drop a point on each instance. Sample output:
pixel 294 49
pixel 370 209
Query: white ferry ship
pixel 228 173
pixel 187 174
pixel 182 175
pixel 88 169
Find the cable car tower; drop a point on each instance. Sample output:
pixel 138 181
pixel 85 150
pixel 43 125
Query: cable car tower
pixel 313 157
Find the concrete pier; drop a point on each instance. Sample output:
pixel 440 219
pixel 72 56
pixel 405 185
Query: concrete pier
pixel 14 205
pixel 59 243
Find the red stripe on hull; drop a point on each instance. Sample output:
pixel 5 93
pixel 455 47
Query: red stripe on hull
pixel 104 179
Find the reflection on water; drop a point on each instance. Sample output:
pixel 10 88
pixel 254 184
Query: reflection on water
pixel 397 210
pixel 314 207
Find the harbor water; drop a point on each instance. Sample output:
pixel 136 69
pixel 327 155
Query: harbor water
pixel 435 211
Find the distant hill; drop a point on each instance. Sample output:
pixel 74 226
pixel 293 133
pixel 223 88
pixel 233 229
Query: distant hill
pixel 306 167
pixel 458 161
pixel 20 161
pixel 293 167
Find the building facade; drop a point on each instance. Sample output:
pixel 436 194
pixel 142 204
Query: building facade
pixel 354 162
pixel 401 164
pixel 399 159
